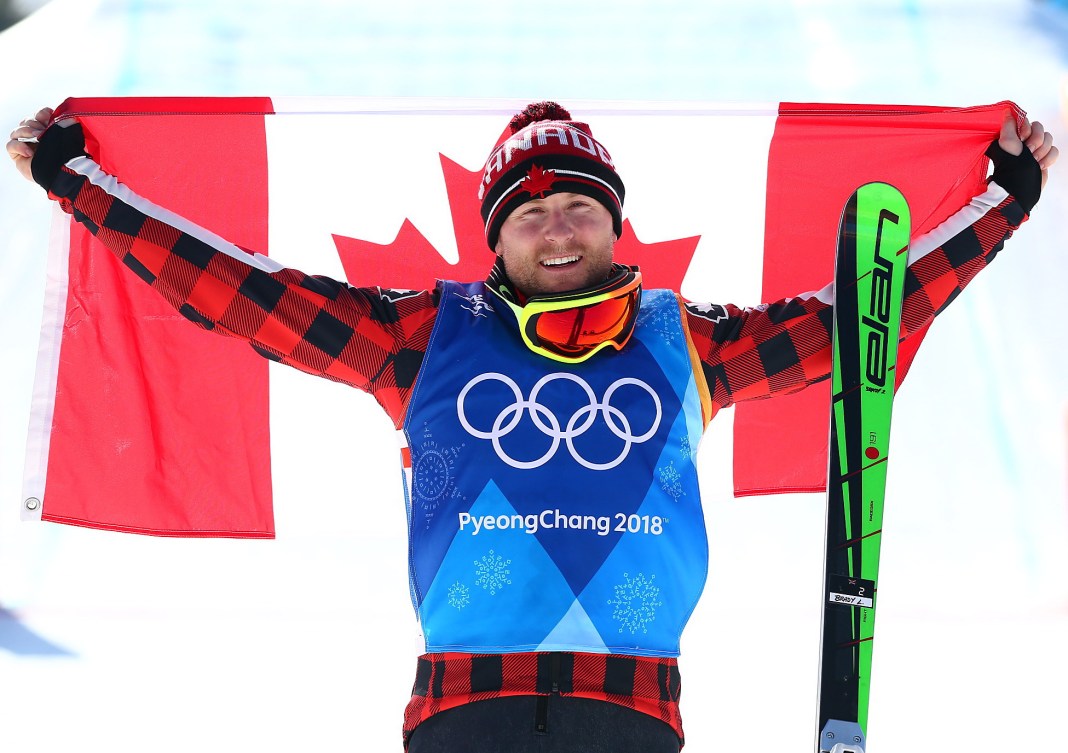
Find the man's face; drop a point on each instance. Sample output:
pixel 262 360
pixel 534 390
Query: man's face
pixel 559 243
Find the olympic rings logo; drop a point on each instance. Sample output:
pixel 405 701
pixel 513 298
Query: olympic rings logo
pixel 548 423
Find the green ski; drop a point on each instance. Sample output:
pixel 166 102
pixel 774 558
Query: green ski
pixel 872 254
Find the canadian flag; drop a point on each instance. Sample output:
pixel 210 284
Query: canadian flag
pixel 144 423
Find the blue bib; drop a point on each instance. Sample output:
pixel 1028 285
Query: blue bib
pixel 552 506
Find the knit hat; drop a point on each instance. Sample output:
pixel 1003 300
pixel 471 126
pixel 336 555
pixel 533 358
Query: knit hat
pixel 543 152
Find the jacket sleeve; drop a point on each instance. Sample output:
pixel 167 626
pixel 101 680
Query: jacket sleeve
pixel 367 337
pixel 783 347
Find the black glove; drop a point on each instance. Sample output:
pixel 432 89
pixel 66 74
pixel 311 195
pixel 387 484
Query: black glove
pixel 56 147
pixel 1020 174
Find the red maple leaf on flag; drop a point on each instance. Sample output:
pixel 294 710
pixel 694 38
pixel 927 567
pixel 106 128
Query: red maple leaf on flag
pixel 410 261
pixel 538 181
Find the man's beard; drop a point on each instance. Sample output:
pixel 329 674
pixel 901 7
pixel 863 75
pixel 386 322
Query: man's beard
pixel 525 279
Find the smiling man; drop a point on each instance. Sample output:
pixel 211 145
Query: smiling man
pixel 557 546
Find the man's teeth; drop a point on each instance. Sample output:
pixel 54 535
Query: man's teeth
pixel 561 260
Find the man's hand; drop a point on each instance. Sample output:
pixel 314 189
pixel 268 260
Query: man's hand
pixel 1032 135
pixel 19 148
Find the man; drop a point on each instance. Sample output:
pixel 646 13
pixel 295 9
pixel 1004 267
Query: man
pixel 554 565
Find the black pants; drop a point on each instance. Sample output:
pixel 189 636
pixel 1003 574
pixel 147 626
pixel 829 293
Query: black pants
pixel 543 724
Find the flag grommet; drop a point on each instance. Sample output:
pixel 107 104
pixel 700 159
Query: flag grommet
pixel 32 503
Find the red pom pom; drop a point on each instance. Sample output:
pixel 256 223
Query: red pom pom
pixel 537 112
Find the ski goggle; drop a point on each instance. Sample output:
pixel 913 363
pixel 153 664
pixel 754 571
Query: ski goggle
pixel 571 327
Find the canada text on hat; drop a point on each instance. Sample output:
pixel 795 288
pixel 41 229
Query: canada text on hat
pixel 549 137
pixel 547 152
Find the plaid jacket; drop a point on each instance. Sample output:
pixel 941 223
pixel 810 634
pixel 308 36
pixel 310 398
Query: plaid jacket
pixel 374 339
pixel 646 684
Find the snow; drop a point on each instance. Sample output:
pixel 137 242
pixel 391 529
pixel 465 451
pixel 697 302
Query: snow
pixel 308 643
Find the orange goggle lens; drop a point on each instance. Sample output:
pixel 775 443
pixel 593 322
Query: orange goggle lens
pixel 573 330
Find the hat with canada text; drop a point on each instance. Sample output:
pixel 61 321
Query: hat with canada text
pixel 543 152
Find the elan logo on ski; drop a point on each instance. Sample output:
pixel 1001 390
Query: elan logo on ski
pixel 881 303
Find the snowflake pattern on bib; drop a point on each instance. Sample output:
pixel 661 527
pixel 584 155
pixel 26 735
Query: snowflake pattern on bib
pixel 434 475
pixel 491 572
pixel 459 595
pixel 635 603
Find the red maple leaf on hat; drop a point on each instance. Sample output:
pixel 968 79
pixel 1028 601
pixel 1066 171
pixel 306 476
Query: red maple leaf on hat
pixel 538 181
